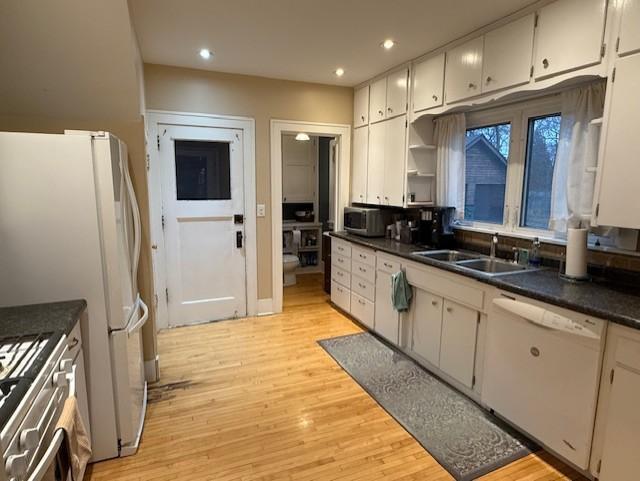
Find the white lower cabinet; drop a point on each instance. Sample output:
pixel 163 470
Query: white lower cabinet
pixel 362 309
pixel 387 319
pixel 426 322
pixel 340 296
pixel 458 342
pixel 620 461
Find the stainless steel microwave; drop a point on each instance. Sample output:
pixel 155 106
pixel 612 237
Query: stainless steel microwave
pixel 367 222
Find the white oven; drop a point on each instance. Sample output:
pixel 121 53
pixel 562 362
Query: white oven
pixel 30 442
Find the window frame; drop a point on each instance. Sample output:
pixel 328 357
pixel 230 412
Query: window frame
pixel 518 115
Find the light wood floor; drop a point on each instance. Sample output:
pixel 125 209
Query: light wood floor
pixel 257 398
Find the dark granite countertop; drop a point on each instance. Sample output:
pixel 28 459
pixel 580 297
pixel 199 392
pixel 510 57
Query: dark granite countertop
pixel 32 319
pixel 599 297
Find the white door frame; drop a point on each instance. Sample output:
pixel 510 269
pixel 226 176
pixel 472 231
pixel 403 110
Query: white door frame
pixel 154 184
pixel 343 133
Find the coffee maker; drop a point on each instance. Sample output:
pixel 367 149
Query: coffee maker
pixel 435 227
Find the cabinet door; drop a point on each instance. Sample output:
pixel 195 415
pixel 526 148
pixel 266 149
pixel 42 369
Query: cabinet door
pixel 569 36
pixel 464 70
pixel 378 100
pixel 427 325
pixel 428 83
pixel 361 106
pixel 397 93
pixel 630 27
pixel 387 319
pixel 507 55
pixel 375 164
pixel 619 166
pixel 298 169
pixel 458 342
pixel 620 461
pixel 359 166
pixel 394 161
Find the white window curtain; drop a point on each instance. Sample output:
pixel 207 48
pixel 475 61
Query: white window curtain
pixel 576 158
pixel 450 131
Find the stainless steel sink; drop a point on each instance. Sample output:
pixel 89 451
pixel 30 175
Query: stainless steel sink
pixel 447 255
pixel 492 267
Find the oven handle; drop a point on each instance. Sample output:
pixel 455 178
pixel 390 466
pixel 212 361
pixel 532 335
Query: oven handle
pixel 45 462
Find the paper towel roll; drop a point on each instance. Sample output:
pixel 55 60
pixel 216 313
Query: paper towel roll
pixel 576 266
pixel 295 241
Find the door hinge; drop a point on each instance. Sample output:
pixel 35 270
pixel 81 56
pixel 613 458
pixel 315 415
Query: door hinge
pixel 148 162
pixel 406 124
pixel 531 72
pixel 612 375
pixel 155 300
pixel 158 141
pixel 166 294
pixel 617 44
pixel 163 222
pixel 535 21
pixel 613 75
pixel 603 49
pixel 597 209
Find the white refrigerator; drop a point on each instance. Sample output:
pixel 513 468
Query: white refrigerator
pixel 70 228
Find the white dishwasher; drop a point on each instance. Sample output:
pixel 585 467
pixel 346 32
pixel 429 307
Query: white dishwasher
pixel 542 372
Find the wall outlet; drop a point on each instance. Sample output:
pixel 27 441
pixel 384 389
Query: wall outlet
pixel 260 210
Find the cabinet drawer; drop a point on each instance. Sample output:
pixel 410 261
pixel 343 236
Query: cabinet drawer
pixel 340 247
pixel 364 288
pixel 363 271
pixel 341 276
pixel 448 287
pixel 341 296
pixel 387 264
pixel 362 309
pixel 366 256
pixel 341 262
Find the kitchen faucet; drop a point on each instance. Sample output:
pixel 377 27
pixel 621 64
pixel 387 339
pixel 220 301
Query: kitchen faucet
pixel 494 245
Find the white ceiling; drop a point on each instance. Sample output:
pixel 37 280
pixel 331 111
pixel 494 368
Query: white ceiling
pixel 305 39
pixel 69 59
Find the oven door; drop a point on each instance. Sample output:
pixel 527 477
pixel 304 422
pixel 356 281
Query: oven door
pixel 53 462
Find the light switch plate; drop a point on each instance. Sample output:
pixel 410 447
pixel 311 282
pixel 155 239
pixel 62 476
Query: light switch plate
pixel 260 210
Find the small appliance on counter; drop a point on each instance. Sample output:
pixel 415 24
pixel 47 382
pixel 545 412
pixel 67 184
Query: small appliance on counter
pixel 435 227
pixel 365 221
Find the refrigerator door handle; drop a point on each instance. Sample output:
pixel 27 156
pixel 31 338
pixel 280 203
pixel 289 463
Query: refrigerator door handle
pixel 145 315
pixel 124 162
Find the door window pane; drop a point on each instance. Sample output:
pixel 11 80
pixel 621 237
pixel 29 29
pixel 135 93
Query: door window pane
pixel 542 144
pixel 487 159
pixel 203 170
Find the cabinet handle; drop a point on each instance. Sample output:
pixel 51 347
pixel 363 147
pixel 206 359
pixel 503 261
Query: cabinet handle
pixel 449 309
pixel 380 112
pixel 472 85
pixel 361 285
pixel 388 265
pixel 285 199
pixel 362 270
pixel 362 117
pixel 435 98
pixel 434 303
pixel 74 342
pixel 362 256
pixel 545 63
pixel 489 79
pixel 360 301
pixel 389 109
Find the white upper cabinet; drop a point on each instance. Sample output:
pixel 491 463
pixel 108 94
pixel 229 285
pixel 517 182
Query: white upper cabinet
pixel 428 83
pixel 397 93
pixel 463 77
pixel 507 55
pixel 361 106
pixel 619 165
pixel 569 36
pixel 299 178
pixel 375 164
pixel 629 40
pixel 378 100
pixel 359 165
pixel 394 161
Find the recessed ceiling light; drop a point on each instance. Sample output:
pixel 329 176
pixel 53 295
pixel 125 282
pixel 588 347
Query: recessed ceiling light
pixel 205 53
pixel 302 136
pixel 339 72
pixel 388 44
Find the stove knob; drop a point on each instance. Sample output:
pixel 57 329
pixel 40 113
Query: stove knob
pixel 16 465
pixel 29 438
pixel 66 365
pixel 59 379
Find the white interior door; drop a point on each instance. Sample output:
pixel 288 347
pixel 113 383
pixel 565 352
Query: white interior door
pixel 203 199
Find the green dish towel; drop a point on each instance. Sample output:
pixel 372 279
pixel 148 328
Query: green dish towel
pixel 400 292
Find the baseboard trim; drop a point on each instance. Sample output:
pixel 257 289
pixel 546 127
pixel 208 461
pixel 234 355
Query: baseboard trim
pixel 265 307
pixel 152 370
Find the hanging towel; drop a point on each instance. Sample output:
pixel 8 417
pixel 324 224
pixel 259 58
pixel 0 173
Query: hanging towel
pixel 78 443
pixel 400 292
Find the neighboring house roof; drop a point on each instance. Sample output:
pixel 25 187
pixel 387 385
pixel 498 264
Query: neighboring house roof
pixel 481 140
